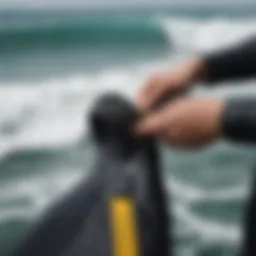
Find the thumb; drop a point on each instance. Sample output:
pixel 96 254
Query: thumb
pixel 150 125
pixel 147 126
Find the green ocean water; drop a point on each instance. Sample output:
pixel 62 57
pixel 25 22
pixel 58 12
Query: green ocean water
pixel 54 63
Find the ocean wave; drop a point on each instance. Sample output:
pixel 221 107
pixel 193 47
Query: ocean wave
pixel 180 33
pixel 192 194
pixel 207 35
pixel 84 33
pixel 208 231
pixel 27 121
pixel 39 191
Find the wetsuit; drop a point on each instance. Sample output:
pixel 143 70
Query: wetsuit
pixel 239 119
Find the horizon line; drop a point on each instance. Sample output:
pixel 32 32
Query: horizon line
pixel 136 4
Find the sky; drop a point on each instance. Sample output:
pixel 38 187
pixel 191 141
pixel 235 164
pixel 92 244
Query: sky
pixel 96 3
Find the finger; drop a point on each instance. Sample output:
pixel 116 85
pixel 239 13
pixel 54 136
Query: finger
pixel 153 98
pixel 155 123
pixel 146 95
pixel 161 93
pixel 149 126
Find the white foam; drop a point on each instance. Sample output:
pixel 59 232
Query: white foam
pixel 53 113
pixel 207 35
pixel 208 231
pixel 191 194
pixel 36 192
pixel 16 213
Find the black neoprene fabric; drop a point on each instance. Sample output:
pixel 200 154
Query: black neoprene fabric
pixel 232 64
pixel 239 119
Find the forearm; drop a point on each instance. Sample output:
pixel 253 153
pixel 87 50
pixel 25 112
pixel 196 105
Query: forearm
pixel 239 120
pixel 233 64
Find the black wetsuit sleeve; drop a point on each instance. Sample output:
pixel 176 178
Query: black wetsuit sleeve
pixel 239 120
pixel 232 64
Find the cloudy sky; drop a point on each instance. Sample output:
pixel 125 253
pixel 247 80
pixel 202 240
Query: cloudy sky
pixel 86 3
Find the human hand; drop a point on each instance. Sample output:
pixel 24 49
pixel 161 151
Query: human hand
pixel 185 123
pixel 172 81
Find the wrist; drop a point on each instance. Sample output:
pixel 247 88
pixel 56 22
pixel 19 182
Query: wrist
pixel 215 114
pixel 238 122
pixel 199 70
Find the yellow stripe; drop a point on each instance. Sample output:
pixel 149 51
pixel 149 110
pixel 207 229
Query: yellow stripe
pixel 124 231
